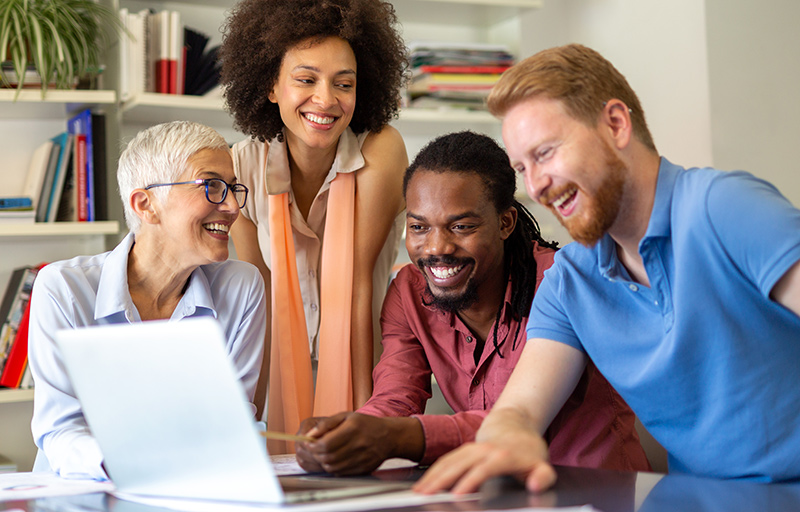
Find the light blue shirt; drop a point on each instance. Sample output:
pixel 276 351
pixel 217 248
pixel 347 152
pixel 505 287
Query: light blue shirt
pixel 706 360
pixel 93 290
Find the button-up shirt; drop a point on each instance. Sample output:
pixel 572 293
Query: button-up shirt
pixel 595 428
pixel 93 290
pixel 264 167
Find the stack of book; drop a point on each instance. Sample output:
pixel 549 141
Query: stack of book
pixel 455 75
pixel 14 315
pixel 66 178
pixel 161 55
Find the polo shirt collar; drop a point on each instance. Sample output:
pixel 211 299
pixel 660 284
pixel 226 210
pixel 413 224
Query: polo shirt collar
pixel 348 159
pixel 658 226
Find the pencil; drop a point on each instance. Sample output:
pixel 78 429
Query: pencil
pixel 282 436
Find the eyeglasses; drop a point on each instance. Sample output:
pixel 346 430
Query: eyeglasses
pixel 216 189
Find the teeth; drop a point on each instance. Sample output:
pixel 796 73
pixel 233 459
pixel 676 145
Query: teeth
pixel 445 272
pixel 320 119
pixel 562 198
pixel 215 226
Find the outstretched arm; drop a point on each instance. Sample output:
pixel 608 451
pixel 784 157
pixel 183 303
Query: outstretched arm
pixel 58 426
pixel 379 199
pixel 245 240
pixel 351 443
pixel 510 440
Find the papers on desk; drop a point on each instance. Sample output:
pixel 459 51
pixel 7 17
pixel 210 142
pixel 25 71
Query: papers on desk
pixel 287 464
pixel 373 502
pixel 26 486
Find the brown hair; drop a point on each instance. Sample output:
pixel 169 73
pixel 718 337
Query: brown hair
pixel 579 77
pixel 259 32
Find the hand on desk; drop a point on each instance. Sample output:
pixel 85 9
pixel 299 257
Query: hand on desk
pixel 350 443
pixel 463 470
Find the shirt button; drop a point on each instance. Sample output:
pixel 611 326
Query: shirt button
pixel 469 339
pixel 311 273
pixel 313 307
pixel 633 287
pixel 475 382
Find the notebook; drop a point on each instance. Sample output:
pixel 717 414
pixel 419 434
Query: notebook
pixel 172 420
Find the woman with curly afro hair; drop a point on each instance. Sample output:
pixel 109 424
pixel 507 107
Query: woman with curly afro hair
pixel 314 84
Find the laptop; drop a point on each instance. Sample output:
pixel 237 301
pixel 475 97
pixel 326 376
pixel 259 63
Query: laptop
pixel 172 419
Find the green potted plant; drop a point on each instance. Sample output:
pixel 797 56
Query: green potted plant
pixel 61 41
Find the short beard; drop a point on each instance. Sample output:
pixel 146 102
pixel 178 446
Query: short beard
pixel 603 207
pixel 450 304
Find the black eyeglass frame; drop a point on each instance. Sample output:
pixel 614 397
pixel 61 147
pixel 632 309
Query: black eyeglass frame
pixel 235 187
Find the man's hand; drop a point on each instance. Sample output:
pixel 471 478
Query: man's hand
pixel 523 455
pixel 351 443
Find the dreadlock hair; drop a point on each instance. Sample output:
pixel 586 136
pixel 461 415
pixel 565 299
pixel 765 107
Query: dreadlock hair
pixel 470 152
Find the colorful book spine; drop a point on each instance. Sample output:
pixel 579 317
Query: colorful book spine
pixel 16 203
pixel 15 332
pixel 81 124
pixel 81 189
pixel 10 300
pixel 18 356
pixel 459 69
pixel 64 163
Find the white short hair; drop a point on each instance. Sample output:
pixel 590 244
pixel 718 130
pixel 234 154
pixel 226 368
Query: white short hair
pixel 159 155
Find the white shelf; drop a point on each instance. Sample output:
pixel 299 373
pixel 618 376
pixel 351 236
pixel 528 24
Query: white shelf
pixel 525 4
pixel 154 108
pixel 56 104
pixel 528 4
pixel 151 108
pixel 425 115
pixel 50 229
pixel 461 12
pixel 9 396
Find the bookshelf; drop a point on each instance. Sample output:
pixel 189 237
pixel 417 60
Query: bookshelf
pixel 58 229
pixel 55 105
pixel 26 121
pixel 485 21
pixel 11 396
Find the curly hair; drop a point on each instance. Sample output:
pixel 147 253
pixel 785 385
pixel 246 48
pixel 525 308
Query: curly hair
pixel 258 33
pixel 469 152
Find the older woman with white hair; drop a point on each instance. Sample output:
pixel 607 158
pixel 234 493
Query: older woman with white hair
pixel 180 198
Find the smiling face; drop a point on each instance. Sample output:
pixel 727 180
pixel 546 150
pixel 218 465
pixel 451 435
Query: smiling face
pixel 455 237
pixel 316 91
pixel 568 167
pixel 196 229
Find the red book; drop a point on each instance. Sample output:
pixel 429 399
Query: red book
pixel 162 76
pixel 460 69
pixel 81 178
pixel 174 52
pixel 18 355
pixel 162 43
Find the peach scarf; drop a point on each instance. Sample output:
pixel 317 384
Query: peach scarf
pixel 292 397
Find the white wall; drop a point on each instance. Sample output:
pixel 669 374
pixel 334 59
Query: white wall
pixel 659 47
pixel 754 63
pixel 717 78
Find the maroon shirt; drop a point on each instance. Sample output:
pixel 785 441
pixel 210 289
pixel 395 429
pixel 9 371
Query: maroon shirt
pixel 595 428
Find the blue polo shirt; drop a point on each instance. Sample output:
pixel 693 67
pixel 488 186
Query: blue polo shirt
pixel 706 360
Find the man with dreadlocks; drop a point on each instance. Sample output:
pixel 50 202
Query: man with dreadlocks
pixel 459 314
